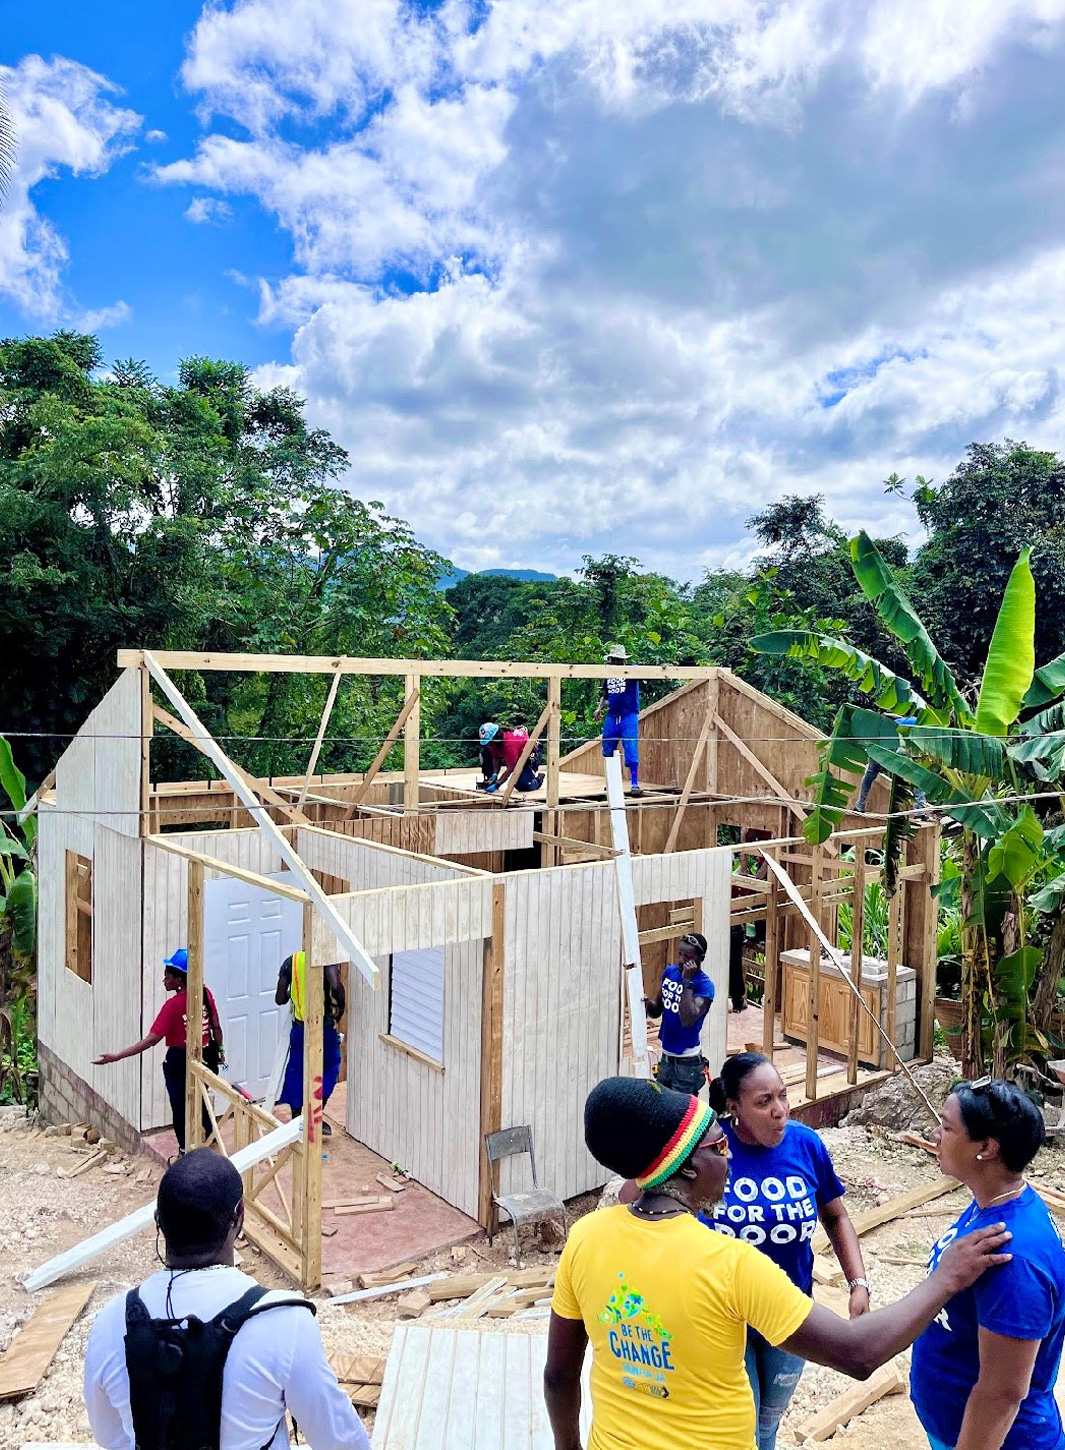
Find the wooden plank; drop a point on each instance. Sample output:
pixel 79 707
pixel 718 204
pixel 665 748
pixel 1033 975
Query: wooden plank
pixel 771 992
pixel 330 701
pixel 529 747
pixel 682 804
pixel 144 1216
pixel 448 669
pixel 813 1011
pixel 491 1088
pixel 194 1007
pixel 379 1291
pixel 258 787
pixel 573 843
pixel 379 1205
pixel 892 1013
pixel 478 1302
pixel 872 1218
pixel 313 1111
pixel 889 1379
pixel 291 858
pixel 147 730
pixel 226 868
pixel 857 956
pixel 33 1348
pixel 412 735
pixel 382 755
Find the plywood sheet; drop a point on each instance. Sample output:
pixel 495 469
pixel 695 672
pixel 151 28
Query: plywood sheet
pixel 467 1389
pixel 33 1348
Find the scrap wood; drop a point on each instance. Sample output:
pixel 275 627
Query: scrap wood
pixel 872 1218
pixel 366 1396
pixel 830 1296
pixel 358 1369
pixel 378 1291
pixel 34 1346
pixel 477 1304
pixel 461 1286
pixel 826 1272
pixel 915 1140
pixel 900 1259
pixel 363 1196
pixel 369 1205
pixel 392 1184
pixel 92 1162
pixel 413 1304
pixel 889 1379
pixel 387 1276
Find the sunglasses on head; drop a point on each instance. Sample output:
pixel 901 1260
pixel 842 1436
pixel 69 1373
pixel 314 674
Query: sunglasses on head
pixel 717 1145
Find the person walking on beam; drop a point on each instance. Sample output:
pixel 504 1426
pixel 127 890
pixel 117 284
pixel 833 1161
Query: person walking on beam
pixel 619 704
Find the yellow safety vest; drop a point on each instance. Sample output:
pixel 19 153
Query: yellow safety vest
pixel 298 990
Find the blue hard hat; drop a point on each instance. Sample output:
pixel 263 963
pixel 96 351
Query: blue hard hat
pixel 488 731
pixel 179 962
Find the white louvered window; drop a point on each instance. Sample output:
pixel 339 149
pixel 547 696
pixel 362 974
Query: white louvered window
pixel 416 1000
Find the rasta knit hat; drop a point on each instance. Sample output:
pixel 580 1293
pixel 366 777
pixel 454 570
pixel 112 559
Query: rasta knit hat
pixel 643 1131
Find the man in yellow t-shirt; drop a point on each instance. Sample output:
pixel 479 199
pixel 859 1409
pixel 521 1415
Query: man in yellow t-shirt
pixel 665 1302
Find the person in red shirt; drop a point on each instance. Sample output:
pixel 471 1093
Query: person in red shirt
pixel 500 752
pixel 170 1027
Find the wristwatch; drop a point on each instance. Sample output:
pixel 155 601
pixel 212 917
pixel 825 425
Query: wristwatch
pixel 860 1284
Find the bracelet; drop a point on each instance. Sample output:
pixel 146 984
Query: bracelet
pixel 860 1284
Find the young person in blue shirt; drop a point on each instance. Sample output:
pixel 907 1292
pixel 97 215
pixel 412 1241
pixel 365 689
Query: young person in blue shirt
pixel 684 997
pixel 781 1183
pixel 984 1370
pixel 620 699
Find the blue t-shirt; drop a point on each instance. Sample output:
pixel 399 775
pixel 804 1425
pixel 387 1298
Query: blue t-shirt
pixel 773 1196
pixel 622 696
pixel 1024 1299
pixel 676 1039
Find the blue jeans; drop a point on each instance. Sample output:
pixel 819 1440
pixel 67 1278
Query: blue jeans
pixel 773 1374
pixel 625 728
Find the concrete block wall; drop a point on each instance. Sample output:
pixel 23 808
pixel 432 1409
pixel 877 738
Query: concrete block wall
pixel 64 1097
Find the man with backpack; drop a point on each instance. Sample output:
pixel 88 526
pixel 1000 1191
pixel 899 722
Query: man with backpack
pixel 200 1357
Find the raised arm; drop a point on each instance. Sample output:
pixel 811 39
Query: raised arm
pixel 857 1347
pixel 692 1009
pixel 137 1047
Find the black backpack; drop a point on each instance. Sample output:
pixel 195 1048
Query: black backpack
pixel 175 1370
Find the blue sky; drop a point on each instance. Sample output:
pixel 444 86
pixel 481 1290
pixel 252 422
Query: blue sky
pixel 567 278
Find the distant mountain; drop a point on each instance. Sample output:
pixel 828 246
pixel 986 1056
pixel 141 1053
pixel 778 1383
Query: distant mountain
pixel 527 576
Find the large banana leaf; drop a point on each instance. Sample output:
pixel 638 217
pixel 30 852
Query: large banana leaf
pixel 845 751
pixel 879 586
pixel 21 908
pixel 1011 655
pixel 1018 852
pixel 963 750
pixel 1043 754
pixel 890 691
pixel 14 784
pixel 898 831
pixel 983 818
pixel 1048 683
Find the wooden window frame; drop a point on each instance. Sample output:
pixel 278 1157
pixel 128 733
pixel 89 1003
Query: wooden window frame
pixel 79 913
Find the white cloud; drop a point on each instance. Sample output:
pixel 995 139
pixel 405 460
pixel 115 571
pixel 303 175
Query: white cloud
pixel 63 121
pixel 154 137
pixel 208 210
pixel 98 318
pixel 587 276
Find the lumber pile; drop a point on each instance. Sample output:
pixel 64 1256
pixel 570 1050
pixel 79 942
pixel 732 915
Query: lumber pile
pixel 462 1296
pixel 360 1376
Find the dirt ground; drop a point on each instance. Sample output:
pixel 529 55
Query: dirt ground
pixel 45 1211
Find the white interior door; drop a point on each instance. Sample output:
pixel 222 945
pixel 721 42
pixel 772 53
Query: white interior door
pixel 248 932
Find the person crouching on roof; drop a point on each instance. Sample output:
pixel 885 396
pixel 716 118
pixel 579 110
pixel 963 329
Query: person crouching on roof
pixel 500 752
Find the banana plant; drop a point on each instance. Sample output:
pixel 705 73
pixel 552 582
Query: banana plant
pixel 18 912
pixel 962 757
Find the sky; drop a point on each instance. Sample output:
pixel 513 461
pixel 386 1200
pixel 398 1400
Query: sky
pixel 567 278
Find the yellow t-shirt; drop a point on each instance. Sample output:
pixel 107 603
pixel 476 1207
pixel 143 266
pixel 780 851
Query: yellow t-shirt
pixel 666 1305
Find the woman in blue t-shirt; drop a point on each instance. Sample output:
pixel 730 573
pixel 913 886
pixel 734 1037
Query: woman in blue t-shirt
pixel 984 1370
pixel 781 1183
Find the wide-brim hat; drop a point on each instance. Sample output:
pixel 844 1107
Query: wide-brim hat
pixel 617 652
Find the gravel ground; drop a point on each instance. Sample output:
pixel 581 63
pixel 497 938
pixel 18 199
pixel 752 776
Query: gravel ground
pixel 45 1212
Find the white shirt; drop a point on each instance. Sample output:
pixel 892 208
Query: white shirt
pixel 276 1362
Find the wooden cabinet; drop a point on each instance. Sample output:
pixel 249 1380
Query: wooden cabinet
pixel 834 1011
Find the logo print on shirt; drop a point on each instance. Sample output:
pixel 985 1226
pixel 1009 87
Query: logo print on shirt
pixel 638 1340
pixel 787 1211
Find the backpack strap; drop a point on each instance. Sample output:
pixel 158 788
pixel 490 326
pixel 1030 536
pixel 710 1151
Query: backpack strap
pixel 233 1318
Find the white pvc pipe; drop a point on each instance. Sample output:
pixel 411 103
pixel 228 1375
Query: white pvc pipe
pixel 630 931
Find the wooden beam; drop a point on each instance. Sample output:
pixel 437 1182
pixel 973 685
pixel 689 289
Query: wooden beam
pixel 330 701
pixel 225 868
pixel 491 1093
pixel 529 747
pixel 892 986
pixel 857 957
pixel 147 730
pixel 447 669
pixel 889 1379
pixel 253 783
pixel 382 755
pixel 224 765
pixel 682 804
pixel 631 964
pixel 194 1008
pixel 871 1218
pixel 554 751
pixel 33 1348
pixel 412 746
pixel 313 1110
pixel 572 842
pixel 771 992
pixel 813 1023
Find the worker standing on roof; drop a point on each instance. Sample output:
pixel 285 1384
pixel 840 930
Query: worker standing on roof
pixel 500 752
pixel 200 1355
pixel 619 703
pixel 292 987
pixel 169 1027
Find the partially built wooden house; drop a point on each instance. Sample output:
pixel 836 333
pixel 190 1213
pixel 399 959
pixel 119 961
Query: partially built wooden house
pixel 481 936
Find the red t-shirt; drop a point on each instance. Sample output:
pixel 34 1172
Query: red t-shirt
pixel 507 752
pixel 170 1024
